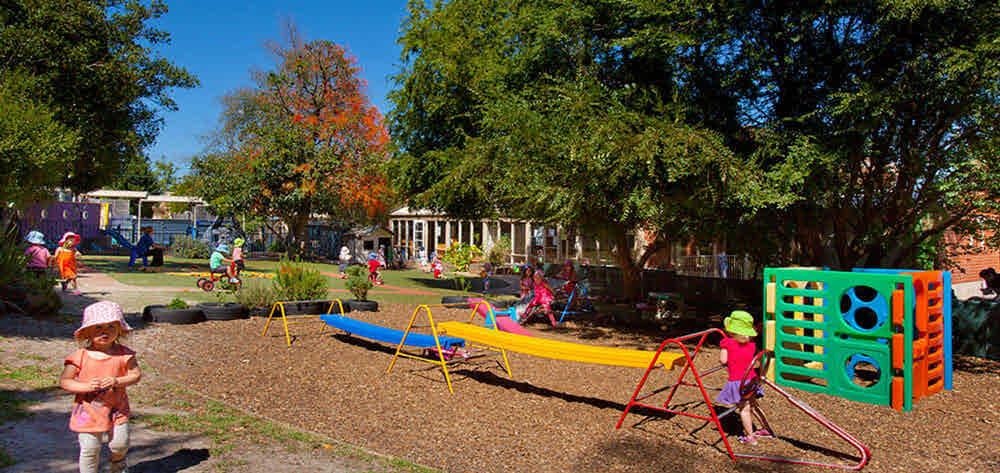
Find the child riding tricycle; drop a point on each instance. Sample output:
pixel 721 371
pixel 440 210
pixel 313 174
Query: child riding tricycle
pixel 228 276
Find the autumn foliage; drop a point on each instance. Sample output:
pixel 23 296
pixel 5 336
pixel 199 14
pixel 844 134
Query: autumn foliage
pixel 305 141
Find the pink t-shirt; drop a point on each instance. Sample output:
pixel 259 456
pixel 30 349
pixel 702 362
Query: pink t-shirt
pixel 38 256
pixel 96 412
pixel 237 253
pixel 738 358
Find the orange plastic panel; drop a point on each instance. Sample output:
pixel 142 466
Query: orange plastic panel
pixel 897 393
pixel 898 357
pixel 898 311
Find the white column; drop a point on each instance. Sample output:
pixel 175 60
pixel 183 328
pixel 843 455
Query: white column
pixel 527 241
pixel 447 233
pixel 579 248
pixel 459 223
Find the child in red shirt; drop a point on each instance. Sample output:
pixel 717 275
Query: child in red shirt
pixel 373 266
pixel 737 353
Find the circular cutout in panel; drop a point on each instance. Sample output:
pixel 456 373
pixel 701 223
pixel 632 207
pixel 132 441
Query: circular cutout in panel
pixel 84 215
pixel 863 370
pixel 44 213
pixel 863 308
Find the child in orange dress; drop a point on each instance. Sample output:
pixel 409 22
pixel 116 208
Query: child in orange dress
pixel 65 260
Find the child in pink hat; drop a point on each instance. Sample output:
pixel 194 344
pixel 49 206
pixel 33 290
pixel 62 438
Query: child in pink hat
pixel 98 374
pixel 65 260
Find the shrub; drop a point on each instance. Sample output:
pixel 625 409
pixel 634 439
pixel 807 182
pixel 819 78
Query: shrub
pixel 12 258
pixel 186 247
pixel 277 246
pixel 460 255
pixel 177 304
pixel 358 283
pixel 296 281
pixel 500 252
pixel 257 293
pixel 42 299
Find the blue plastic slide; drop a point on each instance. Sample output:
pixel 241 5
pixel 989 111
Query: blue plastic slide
pixel 121 240
pixel 387 335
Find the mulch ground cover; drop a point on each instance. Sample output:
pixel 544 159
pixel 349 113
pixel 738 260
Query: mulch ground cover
pixel 550 416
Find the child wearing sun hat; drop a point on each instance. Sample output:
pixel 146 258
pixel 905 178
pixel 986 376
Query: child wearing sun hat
pixel 737 354
pixel 38 255
pixel 65 260
pixel 98 373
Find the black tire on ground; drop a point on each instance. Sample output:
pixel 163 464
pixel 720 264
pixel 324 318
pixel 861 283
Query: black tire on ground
pixel 309 308
pixel 503 303
pixel 207 286
pixel 453 300
pixel 147 312
pixel 224 311
pixel 360 306
pixel 176 316
pixel 260 312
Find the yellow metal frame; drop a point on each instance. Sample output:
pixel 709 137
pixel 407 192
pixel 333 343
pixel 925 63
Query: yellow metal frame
pixel 295 318
pixel 440 361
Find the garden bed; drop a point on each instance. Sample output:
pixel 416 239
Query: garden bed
pixel 552 416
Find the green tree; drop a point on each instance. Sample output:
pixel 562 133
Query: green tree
pixel 877 120
pixel 304 141
pixel 92 63
pixel 837 133
pixel 34 146
pixel 533 110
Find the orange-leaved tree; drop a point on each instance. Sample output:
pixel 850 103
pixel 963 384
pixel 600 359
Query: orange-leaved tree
pixel 302 143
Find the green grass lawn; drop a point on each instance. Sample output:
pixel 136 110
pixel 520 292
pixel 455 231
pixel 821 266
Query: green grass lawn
pixel 117 268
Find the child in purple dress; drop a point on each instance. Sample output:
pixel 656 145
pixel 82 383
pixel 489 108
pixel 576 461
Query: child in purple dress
pixel 737 354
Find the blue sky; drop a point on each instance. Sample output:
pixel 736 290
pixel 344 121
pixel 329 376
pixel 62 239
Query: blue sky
pixel 222 41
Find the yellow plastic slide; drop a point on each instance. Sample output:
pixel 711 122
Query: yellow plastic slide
pixel 558 350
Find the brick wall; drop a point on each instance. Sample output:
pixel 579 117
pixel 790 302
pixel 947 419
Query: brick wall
pixel 971 262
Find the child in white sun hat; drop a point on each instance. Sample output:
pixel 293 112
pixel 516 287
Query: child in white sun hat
pixel 98 373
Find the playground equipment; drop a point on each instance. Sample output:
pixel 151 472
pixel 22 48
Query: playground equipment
pixel 133 251
pixel 748 385
pixel 823 326
pixel 279 307
pixel 502 319
pixel 489 338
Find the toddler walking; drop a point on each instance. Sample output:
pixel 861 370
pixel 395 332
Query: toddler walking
pixel 98 373
pixel 737 354
pixel 65 259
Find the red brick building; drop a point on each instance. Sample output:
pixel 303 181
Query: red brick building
pixel 970 255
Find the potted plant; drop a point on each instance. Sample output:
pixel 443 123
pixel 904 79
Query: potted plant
pixel 176 312
pixel 359 285
pixel 297 281
pixel 258 296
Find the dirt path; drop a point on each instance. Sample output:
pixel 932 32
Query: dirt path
pixel 38 440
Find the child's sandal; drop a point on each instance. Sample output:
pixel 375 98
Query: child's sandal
pixel 764 434
pixel 743 439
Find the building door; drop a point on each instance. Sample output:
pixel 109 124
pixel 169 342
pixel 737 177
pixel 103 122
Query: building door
pixel 419 240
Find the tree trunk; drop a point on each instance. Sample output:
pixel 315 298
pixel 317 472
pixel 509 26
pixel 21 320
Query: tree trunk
pixel 296 230
pixel 631 277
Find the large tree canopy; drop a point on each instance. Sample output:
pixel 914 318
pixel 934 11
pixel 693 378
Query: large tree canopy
pixel 304 141
pixel 838 133
pixel 92 65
